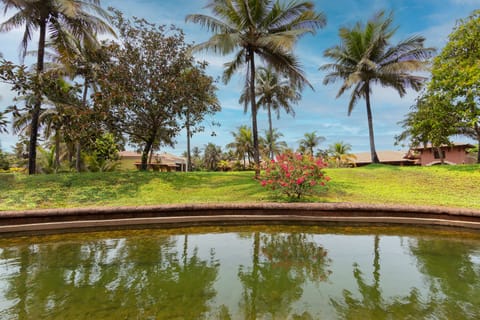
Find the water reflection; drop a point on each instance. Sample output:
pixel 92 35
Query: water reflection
pixel 281 263
pixel 242 273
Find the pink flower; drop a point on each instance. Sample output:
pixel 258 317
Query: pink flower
pixel 300 180
pixel 264 183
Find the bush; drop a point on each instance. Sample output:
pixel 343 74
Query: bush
pixel 4 163
pixel 294 174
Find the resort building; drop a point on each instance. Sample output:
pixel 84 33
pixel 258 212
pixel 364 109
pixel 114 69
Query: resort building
pixel 158 161
pixel 397 158
pixel 456 153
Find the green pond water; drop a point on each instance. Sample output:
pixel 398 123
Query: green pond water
pixel 255 272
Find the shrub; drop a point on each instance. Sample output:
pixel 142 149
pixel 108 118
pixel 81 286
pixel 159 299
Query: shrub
pixel 4 163
pixel 294 174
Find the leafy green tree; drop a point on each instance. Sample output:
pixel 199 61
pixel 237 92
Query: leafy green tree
pixel 142 90
pixel 456 80
pixel 265 28
pixel 82 60
pixel 431 120
pixel 310 141
pixel 4 163
pixel 365 57
pixel 55 19
pixel 199 100
pixel 104 156
pixel 242 144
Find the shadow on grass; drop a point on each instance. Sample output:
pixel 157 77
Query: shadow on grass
pixel 460 167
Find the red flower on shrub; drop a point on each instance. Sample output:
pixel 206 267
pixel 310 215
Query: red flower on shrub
pixel 294 174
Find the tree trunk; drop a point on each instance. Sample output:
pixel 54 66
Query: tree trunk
pixel 256 154
pixel 78 144
pixel 78 156
pixel 270 129
pixel 146 150
pixel 373 152
pixel 477 131
pixel 57 151
pixel 189 157
pixel 32 148
pixel 440 154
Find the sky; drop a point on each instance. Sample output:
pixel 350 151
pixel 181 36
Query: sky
pixel 319 110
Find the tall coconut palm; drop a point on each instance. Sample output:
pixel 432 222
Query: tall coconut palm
pixel 242 144
pixel 365 57
pixel 264 28
pixel 271 144
pixel 212 155
pixel 82 59
pixel 311 140
pixel 55 19
pixel 339 152
pixel 3 122
pixel 274 93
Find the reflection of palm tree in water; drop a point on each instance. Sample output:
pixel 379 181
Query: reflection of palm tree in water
pixel 281 263
pixel 372 304
pixel 452 274
pixel 145 275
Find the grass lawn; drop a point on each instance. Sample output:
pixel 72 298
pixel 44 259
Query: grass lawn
pixel 454 186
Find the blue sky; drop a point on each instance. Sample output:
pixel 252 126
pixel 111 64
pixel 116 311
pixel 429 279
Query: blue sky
pixel 319 110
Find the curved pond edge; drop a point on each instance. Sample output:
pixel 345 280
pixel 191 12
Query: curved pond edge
pixel 173 215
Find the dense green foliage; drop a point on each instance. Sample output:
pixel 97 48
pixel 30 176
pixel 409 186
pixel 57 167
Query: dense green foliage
pixel 57 21
pixel 454 186
pixel 450 103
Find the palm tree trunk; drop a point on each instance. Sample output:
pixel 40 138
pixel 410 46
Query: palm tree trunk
pixel 32 148
pixel 373 152
pixel 78 144
pixel 189 157
pixel 477 131
pixel 57 150
pixel 270 129
pixel 78 156
pixel 256 154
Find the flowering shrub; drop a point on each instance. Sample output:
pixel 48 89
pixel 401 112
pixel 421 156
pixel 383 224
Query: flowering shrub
pixel 294 174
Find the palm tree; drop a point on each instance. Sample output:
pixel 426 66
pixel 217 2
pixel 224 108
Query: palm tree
pixel 58 18
pixel 274 93
pixel 265 28
pixel 82 59
pixel 365 57
pixel 3 122
pixel 311 140
pixel 242 144
pixel 212 155
pixel 271 144
pixel 340 153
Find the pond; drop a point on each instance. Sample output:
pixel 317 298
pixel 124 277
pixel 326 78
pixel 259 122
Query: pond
pixel 254 272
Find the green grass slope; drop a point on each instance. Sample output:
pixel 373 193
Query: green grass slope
pixel 454 186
